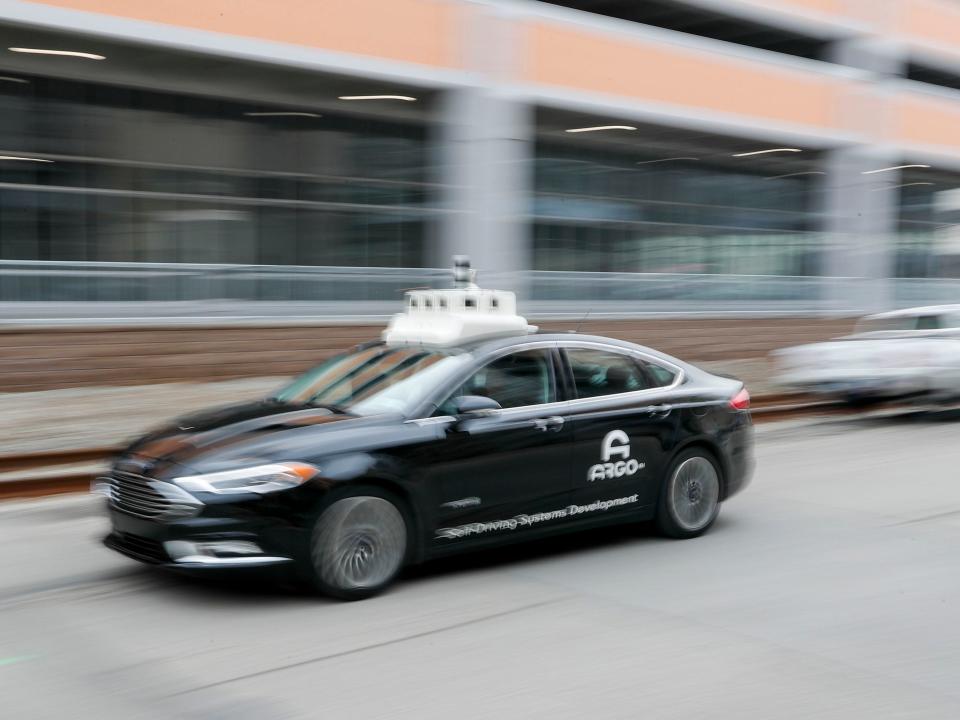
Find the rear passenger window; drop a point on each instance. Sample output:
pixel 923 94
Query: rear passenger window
pixel 660 375
pixel 597 373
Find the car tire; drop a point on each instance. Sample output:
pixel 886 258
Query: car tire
pixel 690 497
pixel 358 544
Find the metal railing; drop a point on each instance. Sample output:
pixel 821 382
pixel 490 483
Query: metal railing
pixel 83 282
pixel 912 292
pixel 39 289
pixel 653 287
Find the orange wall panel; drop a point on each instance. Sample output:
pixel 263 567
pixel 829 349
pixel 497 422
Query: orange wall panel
pixel 827 7
pixel 926 120
pixel 419 31
pixel 572 57
pixel 931 20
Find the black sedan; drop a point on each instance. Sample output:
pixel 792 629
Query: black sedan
pixel 389 455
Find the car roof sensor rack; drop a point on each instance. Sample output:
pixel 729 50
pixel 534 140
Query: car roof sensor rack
pixel 453 317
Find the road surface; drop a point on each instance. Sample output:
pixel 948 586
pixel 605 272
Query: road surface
pixel 829 589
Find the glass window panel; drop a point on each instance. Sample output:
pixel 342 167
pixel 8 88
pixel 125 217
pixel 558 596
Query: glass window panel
pixel 660 375
pixel 928 239
pixel 20 213
pixel 515 380
pixel 597 373
pixel 273 184
pixel 668 218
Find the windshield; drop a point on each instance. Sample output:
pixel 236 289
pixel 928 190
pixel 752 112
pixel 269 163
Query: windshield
pixel 374 380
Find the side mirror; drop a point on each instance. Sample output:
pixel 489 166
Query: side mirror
pixel 474 404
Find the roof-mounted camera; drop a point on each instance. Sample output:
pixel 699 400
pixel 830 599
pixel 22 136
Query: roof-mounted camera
pixel 464 277
pixel 452 317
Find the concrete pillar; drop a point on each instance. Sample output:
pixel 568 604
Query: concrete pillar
pixel 875 54
pixel 485 156
pixel 484 147
pixel 860 208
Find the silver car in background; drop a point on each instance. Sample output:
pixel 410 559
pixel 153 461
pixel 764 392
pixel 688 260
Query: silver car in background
pixel 913 353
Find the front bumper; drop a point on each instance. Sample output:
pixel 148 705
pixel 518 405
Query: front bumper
pixel 201 543
pixel 137 548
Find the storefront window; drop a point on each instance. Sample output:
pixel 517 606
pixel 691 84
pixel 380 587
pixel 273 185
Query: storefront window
pixel 928 241
pixel 144 176
pixel 605 212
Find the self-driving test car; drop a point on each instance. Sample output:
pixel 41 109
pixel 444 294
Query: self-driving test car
pixel 461 429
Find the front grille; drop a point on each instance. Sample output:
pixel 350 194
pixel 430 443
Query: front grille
pixel 151 499
pixel 138 547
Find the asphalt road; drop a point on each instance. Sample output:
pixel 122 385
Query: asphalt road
pixel 829 589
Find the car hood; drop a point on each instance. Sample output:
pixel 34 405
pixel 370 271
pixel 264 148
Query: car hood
pixel 258 432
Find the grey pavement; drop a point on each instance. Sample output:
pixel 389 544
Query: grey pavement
pixel 75 418
pixel 829 589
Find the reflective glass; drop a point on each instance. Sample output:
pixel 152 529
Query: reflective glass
pixel 146 176
pixel 928 238
pixel 601 211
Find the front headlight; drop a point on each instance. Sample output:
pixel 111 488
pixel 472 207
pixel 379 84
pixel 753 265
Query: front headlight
pixel 260 479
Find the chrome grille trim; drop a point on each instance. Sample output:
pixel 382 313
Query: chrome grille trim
pixel 150 499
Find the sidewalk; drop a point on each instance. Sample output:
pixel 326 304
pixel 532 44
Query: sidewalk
pixel 76 418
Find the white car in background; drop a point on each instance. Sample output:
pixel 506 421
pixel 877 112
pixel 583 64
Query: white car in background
pixel 912 353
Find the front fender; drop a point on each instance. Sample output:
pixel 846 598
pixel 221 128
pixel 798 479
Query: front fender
pixel 340 473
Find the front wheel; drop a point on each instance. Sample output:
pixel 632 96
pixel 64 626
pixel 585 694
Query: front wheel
pixel 690 499
pixel 358 545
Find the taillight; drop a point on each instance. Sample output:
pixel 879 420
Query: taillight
pixel 741 401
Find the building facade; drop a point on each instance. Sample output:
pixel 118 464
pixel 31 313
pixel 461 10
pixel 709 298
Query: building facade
pixel 669 155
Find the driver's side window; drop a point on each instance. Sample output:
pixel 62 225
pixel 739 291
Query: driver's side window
pixel 515 380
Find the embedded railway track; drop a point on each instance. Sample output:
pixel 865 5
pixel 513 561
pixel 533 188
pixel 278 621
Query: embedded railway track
pixel 767 408
pixel 38 474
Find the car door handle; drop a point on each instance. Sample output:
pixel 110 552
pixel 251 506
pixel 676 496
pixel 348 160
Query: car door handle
pixel 659 409
pixel 553 423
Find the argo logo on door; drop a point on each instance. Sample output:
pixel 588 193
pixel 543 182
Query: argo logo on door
pixel 616 444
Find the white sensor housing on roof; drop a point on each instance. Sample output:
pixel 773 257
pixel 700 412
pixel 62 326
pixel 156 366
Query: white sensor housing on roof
pixel 452 317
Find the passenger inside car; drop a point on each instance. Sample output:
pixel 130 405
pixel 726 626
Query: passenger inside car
pixel 596 374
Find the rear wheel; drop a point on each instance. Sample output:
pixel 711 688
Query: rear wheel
pixel 690 498
pixel 358 545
